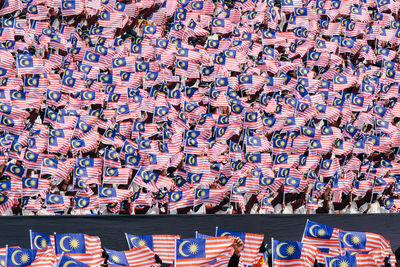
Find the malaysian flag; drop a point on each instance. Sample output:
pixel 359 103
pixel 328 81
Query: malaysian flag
pixel 21 257
pixel 363 241
pixel 294 184
pixel 252 244
pixel 56 202
pixel 348 260
pixel 66 260
pixel 329 167
pixel 208 196
pixel 31 204
pixel 116 175
pixel 82 247
pixel 14 171
pixel 111 158
pixel 72 7
pixel 321 236
pixel 180 199
pixel 142 256
pixel 293 254
pixel 87 203
pixel 162 245
pixel 111 195
pixel 27 64
pixel 201 252
pixel 6 203
pixel 34 186
pixel 41 241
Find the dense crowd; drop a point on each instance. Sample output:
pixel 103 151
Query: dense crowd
pixel 321 245
pixel 178 106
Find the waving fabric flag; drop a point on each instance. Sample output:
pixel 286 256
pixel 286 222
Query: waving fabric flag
pixel 27 64
pixel 180 199
pixel 135 257
pixel 111 195
pixel 82 247
pixel 363 241
pixel 348 260
pixel 65 261
pixel 293 254
pixel 162 245
pixel 252 244
pixel 321 236
pixel 41 241
pixel 20 257
pixel 55 202
pixel 201 252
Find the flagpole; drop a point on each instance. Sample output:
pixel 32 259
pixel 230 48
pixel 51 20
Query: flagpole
pixel 272 251
pixel 304 230
pixel 175 253
pixel 62 255
pixel 216 230
pixel 30 237
pixel 6 256
pixel 127 240
pixel 372 192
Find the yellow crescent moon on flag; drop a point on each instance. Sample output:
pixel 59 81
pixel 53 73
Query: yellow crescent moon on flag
pixel 81 202
pixel 226 234
pixel 133 239
pixel 311 230
pixel 199 193
pixel 104 191
pixel 66 264
pixel 26 182
pixel 13 257
pixel 345 241
pixel 62 243
pixel 181 248
pixel 175 196
pixel 35 241
pixel 278 250
pixel 51 200
pixel 331 263
pixel 80 183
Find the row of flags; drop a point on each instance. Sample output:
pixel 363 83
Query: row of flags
pixel 333 247
pixel 85 250
pixel 320 243
pixel 203 100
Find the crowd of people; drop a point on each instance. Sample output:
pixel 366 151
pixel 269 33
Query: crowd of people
pixel 177 106
pixel 321 245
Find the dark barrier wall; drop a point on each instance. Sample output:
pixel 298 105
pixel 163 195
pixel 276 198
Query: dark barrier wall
pixel 111 229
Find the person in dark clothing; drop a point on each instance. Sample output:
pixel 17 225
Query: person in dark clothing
pixel 237 247
pixel 397 254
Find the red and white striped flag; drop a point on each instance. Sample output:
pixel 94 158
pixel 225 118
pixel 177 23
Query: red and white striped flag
pixel 135 257
pixel 162 245
pixel 200 252
pixel 82 247
pixel 252 244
